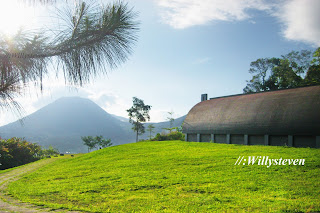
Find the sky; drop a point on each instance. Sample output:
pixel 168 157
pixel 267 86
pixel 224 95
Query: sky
pixel 185 48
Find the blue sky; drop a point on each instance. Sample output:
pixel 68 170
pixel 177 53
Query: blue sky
pixel 187 48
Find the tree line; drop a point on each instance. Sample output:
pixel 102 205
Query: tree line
pixel 295 69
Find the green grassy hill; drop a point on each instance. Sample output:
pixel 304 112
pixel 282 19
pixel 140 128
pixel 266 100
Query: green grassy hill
pixel 176 177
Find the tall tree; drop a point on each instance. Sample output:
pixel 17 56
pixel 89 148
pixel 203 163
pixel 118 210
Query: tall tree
pixel 259 69
pixel 138 113
pixel 94 39
pixel 170 119
pixel 150 130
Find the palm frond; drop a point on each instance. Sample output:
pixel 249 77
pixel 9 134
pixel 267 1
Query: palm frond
pixel 10 89
pixel 96 40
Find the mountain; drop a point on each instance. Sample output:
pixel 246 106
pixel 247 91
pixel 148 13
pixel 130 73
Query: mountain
pixel 120 118
pixel 63 122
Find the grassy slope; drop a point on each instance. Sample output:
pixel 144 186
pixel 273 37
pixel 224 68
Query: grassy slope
pixel 176 176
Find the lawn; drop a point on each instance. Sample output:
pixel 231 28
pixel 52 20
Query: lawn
pixel 176 176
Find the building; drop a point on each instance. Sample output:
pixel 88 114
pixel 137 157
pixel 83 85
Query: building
pixel 284 117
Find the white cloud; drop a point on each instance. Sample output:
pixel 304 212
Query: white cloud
pixel 111 103
pixel 186 13
pixel 301 20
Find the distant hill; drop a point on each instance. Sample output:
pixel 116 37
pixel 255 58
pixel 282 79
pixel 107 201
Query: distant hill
pixel 63 122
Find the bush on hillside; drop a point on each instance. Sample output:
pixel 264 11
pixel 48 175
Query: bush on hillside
pixel 169 137
pixel 17 151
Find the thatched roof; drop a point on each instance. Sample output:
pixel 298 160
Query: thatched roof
pixel 283 112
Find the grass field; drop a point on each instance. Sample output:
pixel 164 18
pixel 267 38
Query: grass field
pixel 176 177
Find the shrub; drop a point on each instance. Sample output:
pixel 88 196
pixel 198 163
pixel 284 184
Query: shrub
pixel 17 151
pixel 169 137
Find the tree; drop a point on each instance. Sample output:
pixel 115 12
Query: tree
pixel 178 128
pixel 171 120
pixel 299 61
pixel 316 57
pixel 138 113
pixel 94 38
pixel 313 75
pixel 285 76
pixel 90 142
pixel 94 142
pixel 150 130
pixel 260 69
pixel 103 142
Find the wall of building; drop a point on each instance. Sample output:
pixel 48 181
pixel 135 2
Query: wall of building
pixel 272 140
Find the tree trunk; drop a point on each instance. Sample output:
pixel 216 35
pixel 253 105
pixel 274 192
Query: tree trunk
pixel 137 136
